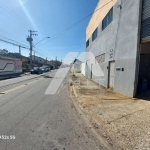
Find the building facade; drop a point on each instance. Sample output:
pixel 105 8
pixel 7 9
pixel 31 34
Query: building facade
pixel 118 35
pixel 10 66
pixel 38 60
pixel 76 66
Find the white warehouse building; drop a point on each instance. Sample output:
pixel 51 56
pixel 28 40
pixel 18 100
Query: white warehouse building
pixel 118 35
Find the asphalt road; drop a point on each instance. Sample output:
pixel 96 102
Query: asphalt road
pixel 31 120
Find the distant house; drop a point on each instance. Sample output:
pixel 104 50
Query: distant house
pixel 25 60
pixel 76 66
pixel 12 55
pixel 38 60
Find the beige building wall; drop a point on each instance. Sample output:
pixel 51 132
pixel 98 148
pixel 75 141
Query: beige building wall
pixel 98 16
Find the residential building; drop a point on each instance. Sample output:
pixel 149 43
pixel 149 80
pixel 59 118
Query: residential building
pixel 118 35
pixel 38 60
pixel 76 66
pixel 25 60
pixel 10 66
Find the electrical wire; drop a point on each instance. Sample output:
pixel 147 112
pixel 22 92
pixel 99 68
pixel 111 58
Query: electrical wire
pixel 3 36
pixel 7 35
pixel 14 20
pixel 57 35
pixel 14 13
pixel 62 45
pixel 63 31
pixel 22 46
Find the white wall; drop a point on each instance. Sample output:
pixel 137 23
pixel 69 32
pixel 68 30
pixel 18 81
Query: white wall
pixel 83 68
pixel 7 67
pixel 119 42
pixel 10 66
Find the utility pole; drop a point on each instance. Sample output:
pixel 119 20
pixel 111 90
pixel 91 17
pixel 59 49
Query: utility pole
pixel 52 64
pixel 19 49
pixel 34 57
pixel 30 40
pixel 56 62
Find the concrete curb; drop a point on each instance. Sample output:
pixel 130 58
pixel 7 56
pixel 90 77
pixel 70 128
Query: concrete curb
pixel 74 91
pixel 87 120
pixel 27 73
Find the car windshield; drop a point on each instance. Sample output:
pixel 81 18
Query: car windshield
pixel 35 68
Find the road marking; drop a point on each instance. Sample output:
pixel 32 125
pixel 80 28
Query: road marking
pixel 21 86
pixel 16 88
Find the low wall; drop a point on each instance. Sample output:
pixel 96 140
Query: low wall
pixel 10 66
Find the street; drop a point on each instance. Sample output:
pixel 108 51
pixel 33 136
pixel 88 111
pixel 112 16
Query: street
pixel 31 120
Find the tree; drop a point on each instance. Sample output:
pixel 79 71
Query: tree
pixel 4 51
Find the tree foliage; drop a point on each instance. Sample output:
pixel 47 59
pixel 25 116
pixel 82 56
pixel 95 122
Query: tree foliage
pixel 4 51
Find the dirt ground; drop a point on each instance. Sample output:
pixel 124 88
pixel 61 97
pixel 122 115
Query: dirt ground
pixel 125 121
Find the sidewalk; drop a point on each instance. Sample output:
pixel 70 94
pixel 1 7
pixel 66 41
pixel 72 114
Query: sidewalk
pixel 122 121
pixel 9 76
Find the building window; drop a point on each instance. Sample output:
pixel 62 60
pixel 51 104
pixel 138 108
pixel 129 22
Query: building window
pixel 87 43
pixel 108 19
pixel 94 35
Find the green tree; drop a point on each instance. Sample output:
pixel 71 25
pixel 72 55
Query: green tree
pixel 4 51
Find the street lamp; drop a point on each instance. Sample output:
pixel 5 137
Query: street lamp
pixel 41 40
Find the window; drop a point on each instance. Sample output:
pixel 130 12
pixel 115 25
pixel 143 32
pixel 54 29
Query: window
pixel 94 35
pixel 87 43
pixel 108 19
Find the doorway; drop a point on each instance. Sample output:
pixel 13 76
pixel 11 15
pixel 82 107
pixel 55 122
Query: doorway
pixel 91 72
pixel 111 77
pixel 143 89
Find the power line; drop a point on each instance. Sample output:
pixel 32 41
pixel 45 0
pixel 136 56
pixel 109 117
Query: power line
pixel 61 32
pixel 23 46
pixel 14 20
pixel 64 45
pixel 13 40
pixel 13 44
pixel 19 45
pixel 80 20
pixel 8 38
pixel 6 33
pixel 13 13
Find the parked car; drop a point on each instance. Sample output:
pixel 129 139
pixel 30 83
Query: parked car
pixel 47 69
pixel 43 69
pixel 36 70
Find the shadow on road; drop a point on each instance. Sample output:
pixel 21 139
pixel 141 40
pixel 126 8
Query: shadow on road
pixel 4 77
pixel 46 76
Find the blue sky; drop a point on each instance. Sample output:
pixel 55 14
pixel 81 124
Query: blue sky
pixel 48 17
